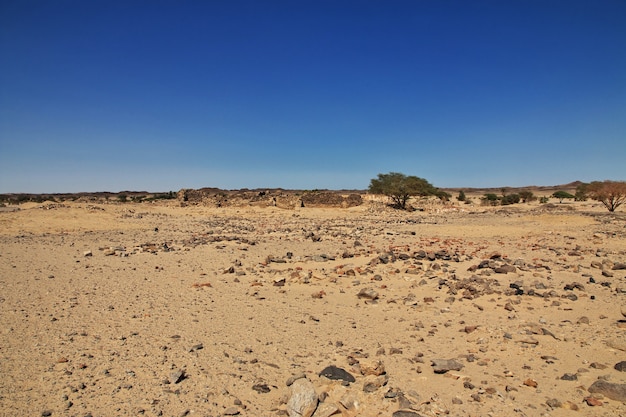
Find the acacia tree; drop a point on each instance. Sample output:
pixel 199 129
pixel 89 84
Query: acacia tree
pixel 526 196
pixel 562 195
pixel 400 187
pixel 610 193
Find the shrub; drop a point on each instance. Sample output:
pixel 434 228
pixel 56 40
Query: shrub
pixel 510 199
pixel 527 196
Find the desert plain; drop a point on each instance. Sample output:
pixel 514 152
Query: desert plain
pixel 158 309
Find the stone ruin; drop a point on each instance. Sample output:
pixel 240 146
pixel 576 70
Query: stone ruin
pixel 286 199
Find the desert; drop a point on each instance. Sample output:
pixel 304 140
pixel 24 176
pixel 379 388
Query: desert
pixel 178 308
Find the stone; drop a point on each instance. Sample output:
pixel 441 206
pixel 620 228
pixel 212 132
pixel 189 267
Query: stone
pixel 326 410
pixel 619 344
pixel 261 388
pixel 441 366
pixel 610 390
pixel 593 402
pixel 231 411
pixel 505 269
pixel 619 266
pixel 554 403
pixel 372 383
pixel 405 413
pixel 620 366
pixel 294 378
pixel 531 383
pixel 177 376
pixel 335 373
pixel 569 377
pixel 303 400
pixel 374 367
pixel 368 294
pixel 87 253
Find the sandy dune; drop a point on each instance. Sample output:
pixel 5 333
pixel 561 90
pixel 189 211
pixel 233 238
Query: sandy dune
pixel 160 310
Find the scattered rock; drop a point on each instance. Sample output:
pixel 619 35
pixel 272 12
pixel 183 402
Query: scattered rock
pixel 368 294
pixel 593 402
pixel 372 383
pixel 261 388
pixel 303 400
pixel 610 390
pixel 335 373
pixel 441 366
pixel 177 376
pixel 531 383
pixel 620 366
pixel 405 413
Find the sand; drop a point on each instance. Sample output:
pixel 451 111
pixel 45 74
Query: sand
pixel 154 309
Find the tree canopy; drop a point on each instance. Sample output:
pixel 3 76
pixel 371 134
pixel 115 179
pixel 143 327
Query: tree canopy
pixel 400 187
pixel 610 193
pixel 562 195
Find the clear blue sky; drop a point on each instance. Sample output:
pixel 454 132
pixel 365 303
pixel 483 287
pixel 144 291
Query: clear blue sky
pixel 162 95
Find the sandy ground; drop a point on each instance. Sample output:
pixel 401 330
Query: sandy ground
pixel 161 310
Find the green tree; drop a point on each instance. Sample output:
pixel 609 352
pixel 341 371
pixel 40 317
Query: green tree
pixel 581 192
pixel 400 187
pixel 510 199
pixel 610 193
pixel 561 195
pixel 461 196
pixel 526 196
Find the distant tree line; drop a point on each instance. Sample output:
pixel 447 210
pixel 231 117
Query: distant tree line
pixel 400 188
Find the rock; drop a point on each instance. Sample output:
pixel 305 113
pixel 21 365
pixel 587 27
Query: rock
pixel 177 376
pixel 441 366
pixel 294 378
pixel 554 403
pixel 368 294
pixel 619 344
pixel 231 411
pixel 335 373
pixel 303 400
pixel 374 367
pixel 261 388
pixel 593 402
pixel 87 253
pixel 505 269
pixel 531 383
pixel 405 413
pixel 569 377
pixel 620 366
pixel 623 310
pixel 610 390
pixel 619 266
pixel 326 410
pixel 573 286
pixel 373 383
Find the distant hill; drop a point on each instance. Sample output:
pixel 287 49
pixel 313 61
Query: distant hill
pixel 139 196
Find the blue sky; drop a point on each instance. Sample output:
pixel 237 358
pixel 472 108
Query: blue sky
pixel 162 95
